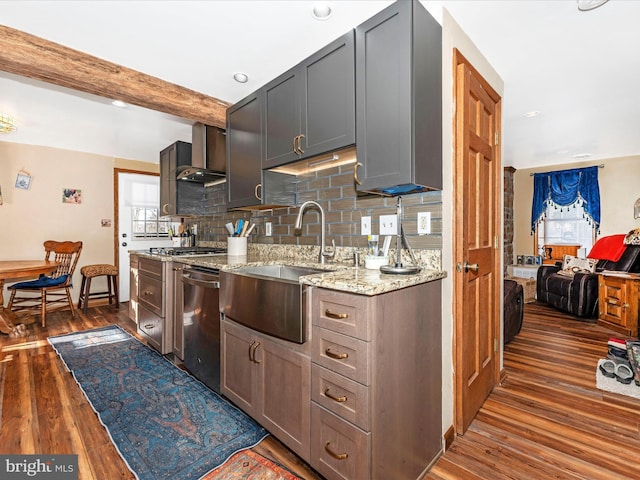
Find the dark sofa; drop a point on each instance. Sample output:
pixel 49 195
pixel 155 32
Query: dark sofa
pixel 578 295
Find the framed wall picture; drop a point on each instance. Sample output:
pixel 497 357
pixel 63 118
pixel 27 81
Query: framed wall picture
pixel 72 195
pixel 23 181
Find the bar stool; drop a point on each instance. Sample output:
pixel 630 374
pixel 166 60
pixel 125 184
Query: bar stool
pixel 90 271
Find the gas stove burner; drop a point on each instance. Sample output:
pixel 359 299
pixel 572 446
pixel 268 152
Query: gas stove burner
pixel 178 251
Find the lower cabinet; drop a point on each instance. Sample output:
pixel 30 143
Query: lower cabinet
pixel 376 383
pixel 270 379
pixel 618 302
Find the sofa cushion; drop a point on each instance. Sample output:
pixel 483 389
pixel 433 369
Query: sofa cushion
pixel 572 265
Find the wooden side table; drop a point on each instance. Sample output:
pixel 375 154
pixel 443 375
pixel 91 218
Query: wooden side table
pixel 618 302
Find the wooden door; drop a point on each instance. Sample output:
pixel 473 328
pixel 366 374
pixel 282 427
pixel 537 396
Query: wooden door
pixel 476 245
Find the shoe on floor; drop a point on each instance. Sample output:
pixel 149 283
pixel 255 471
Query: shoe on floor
pixel 624 374
pixel 608 368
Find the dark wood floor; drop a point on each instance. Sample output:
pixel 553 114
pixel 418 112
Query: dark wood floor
pixel 44 411
pixel 547 419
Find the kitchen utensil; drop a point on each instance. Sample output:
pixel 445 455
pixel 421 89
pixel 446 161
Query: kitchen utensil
pixel 250 229
pixel 239 225
pixel 243 233
pixel 229 227
pixel 386 245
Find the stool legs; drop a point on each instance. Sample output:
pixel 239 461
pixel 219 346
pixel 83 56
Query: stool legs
pixel 111 293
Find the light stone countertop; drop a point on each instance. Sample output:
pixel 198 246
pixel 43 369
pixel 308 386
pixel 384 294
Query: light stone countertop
pixel 341 276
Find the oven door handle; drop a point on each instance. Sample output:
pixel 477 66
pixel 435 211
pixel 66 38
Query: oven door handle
pixel 186 278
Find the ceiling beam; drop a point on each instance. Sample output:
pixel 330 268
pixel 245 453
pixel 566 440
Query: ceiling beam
pixel 34 57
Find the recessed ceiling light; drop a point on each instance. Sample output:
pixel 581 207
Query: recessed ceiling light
pixel 321 11
pixel 240 77
pixel 581 156
pixel 118 103
pixel 531 114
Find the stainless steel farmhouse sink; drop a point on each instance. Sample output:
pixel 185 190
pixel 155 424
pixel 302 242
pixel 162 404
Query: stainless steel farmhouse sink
pixel 267 298
pixel 283 272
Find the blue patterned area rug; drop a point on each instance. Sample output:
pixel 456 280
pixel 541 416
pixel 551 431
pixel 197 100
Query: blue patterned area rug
pixel 165 423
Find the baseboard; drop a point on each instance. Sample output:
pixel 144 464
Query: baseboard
pixel 449 437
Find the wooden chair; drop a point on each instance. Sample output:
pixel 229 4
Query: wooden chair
pixel 49 293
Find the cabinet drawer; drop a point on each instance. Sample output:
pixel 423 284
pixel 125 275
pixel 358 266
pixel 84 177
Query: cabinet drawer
pixel 344 397
pixel 150 326
pixel 339 450
pixel 150 292
pixel 345 355
pixel 342 312
pixel 152 268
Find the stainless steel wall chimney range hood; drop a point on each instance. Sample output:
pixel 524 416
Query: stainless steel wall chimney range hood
pixel 208 156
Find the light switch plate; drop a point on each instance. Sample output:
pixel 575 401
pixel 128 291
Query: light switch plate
pixel 365 226
pixel 267 229
pixel 388 224
pixel 424 223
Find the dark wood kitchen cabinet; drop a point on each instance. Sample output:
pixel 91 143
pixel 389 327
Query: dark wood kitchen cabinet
pixel 178 310
pixel 270 380
pixel 310 109
pixel 399 101
pixel 178 197
pixel 247 184
pixel 244 152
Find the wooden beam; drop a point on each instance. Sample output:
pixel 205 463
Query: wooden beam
pixel 34 57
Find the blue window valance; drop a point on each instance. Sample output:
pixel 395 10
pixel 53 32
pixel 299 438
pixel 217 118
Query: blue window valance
pixel 564 188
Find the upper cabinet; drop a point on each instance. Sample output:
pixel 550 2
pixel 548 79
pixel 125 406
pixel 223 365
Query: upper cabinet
pixel 399 101
pixel 247 184
pixel 244 154
pixel 178 197
pixel 310 109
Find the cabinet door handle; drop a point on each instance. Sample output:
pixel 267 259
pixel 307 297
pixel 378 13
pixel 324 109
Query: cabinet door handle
pixel 335 398
pixel 255 191
pixel 294 147
pixel 337 356
pixel 255 346
pixel 300 150
pixel 337 456
pixel 165 208
pixel 337 316
pixel 251 351
pixel 355 173
pixel 148 326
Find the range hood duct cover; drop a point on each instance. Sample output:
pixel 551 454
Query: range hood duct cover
pixel 208 156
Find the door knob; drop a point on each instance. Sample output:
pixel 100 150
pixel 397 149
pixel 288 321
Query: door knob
pixel 124 244
pixel 466 267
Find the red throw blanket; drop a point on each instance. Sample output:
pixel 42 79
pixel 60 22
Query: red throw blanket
pixel 608 248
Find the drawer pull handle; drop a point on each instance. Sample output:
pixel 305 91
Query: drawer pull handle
pixel 612 302
pixel 335 398
pixel 149 326
pixel 337 356
pixel 331 314
pixel 251 351
pixel 337 456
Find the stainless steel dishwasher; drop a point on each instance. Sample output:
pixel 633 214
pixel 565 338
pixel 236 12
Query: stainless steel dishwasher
pixel 201 319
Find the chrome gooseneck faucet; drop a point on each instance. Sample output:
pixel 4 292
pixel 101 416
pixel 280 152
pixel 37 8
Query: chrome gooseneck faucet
pixel 298 225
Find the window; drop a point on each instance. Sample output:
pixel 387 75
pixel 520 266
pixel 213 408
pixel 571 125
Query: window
pixel 565 225
pixel 146 224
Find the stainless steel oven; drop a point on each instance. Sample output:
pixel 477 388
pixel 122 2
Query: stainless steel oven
pixel 201 325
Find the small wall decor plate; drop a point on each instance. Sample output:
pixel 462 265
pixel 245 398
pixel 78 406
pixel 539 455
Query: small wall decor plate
pixel 23 181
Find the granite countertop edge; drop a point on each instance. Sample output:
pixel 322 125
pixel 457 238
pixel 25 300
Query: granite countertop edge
pixel 340 277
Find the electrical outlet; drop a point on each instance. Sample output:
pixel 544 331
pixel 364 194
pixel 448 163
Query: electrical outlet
pixel 424 223
pixel 267 229
pixel 388 224
pixel 365 226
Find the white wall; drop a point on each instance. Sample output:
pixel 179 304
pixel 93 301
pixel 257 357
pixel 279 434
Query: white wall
pixel 29 217
pixel 453 37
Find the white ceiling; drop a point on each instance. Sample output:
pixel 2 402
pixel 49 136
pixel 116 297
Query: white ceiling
pixel 579 69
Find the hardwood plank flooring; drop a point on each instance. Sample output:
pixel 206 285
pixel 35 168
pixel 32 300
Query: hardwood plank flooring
pixel 42 409
pixel 547 419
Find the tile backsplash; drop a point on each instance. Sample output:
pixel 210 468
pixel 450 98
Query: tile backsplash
pixel 334 189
